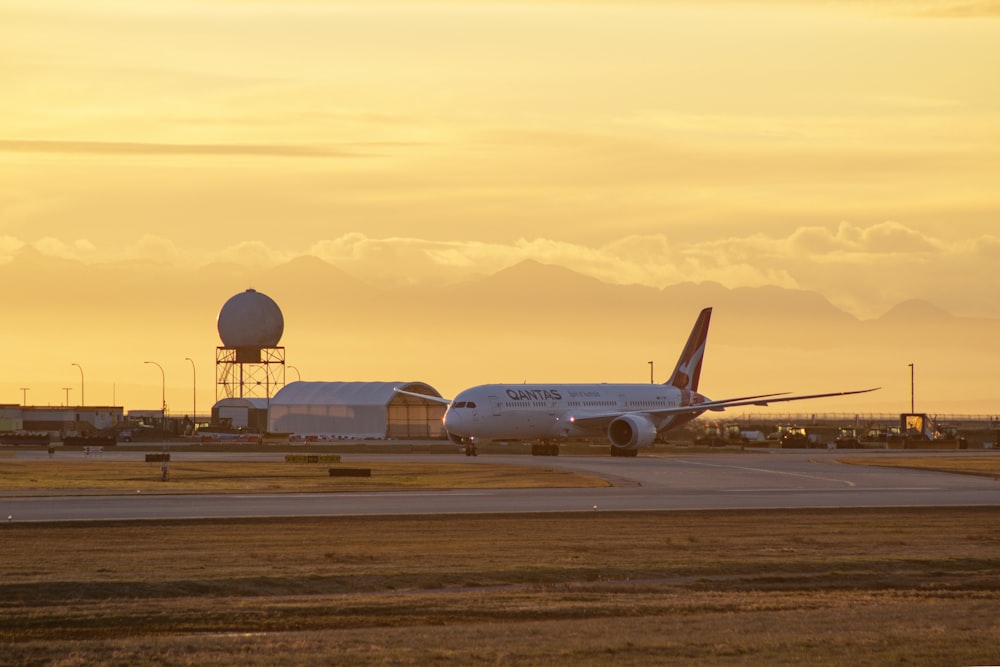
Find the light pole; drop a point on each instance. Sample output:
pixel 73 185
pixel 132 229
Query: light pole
pixel 650 372
pixel 163 392
pixel 299 375
pixel 24 395
pixel 83 401
pixel 911 388
pixel 194 394
pixel 66 389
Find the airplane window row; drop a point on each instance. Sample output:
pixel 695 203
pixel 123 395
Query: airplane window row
pixel 465 404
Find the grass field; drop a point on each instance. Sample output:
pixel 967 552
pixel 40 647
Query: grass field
pixel 120 477
pixel 782 587
pixel 984 466
pixel 862 587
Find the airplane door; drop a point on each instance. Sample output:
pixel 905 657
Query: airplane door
pixel 497 405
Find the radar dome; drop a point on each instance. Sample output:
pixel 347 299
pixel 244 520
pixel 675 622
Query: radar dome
pixel 250 320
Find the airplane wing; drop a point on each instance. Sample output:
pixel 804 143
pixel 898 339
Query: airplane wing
pixel 718 406
pixel 763 399
pixel 436 399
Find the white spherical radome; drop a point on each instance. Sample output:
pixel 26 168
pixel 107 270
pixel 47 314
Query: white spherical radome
pixel 250 319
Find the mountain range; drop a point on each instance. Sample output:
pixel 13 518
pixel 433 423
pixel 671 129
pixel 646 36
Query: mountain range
pixel 530 321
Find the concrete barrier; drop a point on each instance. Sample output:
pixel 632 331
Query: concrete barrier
pixel 312 458
pixel 350 472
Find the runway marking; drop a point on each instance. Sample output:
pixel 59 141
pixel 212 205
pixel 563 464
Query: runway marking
pixel 396 494
pixel 774 472
pixel 865 490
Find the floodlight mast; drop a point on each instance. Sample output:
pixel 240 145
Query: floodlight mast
pixel 911 389
pixel 163 389
pixel 83 401
pixel 194 394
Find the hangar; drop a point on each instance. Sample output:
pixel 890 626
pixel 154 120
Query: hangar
pixel 356 410
pixel 244 414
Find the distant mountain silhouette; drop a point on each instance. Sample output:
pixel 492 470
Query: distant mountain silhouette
pixel 914 311
pixel 525 294
pixel 529 321
pixel 310 270
pixel 551 294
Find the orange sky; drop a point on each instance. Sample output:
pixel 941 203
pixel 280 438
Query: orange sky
pixel 849 148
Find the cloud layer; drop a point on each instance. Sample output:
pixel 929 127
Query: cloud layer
pixel 436 142
pixel 863 269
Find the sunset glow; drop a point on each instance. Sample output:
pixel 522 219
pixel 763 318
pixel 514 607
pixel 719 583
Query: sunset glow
pixel 850 149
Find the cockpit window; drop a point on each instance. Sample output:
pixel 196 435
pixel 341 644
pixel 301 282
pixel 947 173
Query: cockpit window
pixel 460 404
pixel 470 404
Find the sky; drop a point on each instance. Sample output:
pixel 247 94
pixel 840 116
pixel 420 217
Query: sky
pixel 849 148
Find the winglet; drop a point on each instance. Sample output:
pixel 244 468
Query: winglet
pixel 435 399
pixel 687 372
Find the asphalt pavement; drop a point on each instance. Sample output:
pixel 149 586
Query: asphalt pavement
pixel 755 479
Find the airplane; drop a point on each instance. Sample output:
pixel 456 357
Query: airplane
pixel 630 416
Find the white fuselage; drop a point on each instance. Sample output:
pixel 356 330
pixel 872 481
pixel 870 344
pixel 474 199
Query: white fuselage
pixel 553 411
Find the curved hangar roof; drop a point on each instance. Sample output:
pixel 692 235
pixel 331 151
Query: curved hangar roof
pixel 348 393
pixel 356 410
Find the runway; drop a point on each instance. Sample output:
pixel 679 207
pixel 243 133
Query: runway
pixel 718 481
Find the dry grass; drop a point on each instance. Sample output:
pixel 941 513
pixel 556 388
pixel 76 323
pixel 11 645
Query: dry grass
pixel 757 587
pixel 986 466
pixel 116 477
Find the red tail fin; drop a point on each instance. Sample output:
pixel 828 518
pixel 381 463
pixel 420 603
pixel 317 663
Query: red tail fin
pixel 687 372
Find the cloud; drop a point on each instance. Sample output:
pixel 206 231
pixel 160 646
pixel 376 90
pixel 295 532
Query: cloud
pixel 80 249
pixel 253 253
pixel 959 10
pixel 986 248
pixel 9 246
pixel 865 269
pixel 155 249
pixel 894 238
pixel 162 149
pixel 886 238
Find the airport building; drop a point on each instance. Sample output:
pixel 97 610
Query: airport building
pixel 252 396
pixel 241 414
pixel 58 422
pixel 356 410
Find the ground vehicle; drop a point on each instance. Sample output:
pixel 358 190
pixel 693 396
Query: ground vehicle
pixel 711 436
pixel 793 436
pixel 719 435
pixel 920 431
pixel 878 436
pixel 848 437
pixel 733 433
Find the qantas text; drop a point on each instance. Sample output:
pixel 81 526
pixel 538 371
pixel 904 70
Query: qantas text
pixel 534 394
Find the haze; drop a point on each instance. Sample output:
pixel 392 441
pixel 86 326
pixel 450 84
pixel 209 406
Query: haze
pixel 368 164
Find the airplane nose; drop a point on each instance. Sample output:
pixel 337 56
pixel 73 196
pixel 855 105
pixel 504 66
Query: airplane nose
pixel 452 420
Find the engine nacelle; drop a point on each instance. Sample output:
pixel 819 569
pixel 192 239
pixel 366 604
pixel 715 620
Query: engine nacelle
pixel 632 432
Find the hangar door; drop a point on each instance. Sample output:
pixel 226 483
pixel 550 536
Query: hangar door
pixel 412 417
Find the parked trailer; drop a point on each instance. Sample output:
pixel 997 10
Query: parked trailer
pixel 921 431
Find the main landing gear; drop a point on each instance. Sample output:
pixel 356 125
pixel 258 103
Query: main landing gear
pixel 545 449
pixel 623 451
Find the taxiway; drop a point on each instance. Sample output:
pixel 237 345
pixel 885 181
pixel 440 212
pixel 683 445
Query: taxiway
pixel 717 481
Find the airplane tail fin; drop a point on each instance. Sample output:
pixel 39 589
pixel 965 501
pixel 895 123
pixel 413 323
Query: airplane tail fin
pixel 687 372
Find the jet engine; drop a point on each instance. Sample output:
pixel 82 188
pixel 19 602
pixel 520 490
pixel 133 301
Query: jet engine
pixel 632 432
